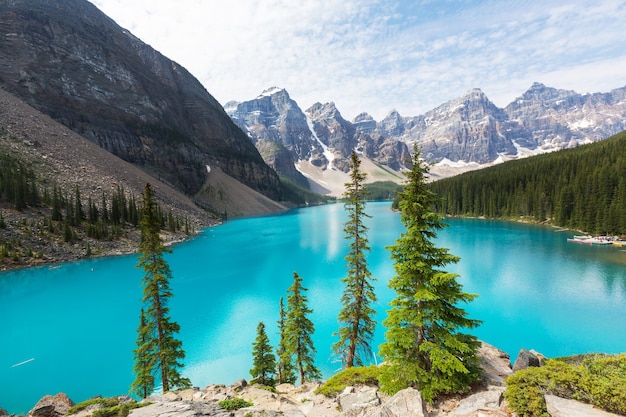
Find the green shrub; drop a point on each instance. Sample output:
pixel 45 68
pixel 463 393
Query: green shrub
pixel 110 407
pixel 599 380
pixel 366 375
pixel 104 402
pixel 234 404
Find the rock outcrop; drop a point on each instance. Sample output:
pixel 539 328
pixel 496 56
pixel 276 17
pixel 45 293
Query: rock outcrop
pixel 51 406
pixel 561 407
pixel 527 358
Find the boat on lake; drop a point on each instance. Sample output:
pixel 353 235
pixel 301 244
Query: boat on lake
pixel 593 240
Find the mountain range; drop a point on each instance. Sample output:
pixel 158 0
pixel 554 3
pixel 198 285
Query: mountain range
pixel 465 133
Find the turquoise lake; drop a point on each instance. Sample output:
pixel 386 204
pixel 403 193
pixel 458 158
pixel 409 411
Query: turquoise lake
pixel 72 329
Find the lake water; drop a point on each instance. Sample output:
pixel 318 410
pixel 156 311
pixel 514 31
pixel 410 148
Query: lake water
pixel 72 329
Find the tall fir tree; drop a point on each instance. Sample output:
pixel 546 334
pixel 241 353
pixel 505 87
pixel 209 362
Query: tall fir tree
pixel 299 329
pixel 284 366
pixel 160 329
pixel 144 360
pixel 424 346
pixel 263 360
pixel 357 325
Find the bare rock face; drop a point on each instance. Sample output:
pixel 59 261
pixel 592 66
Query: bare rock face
pixel 180 409
pixel 72 62
pixel 556 119
pixel 496 365
pixel 51 406
pixel 525 359
pixel 359 397
pixel 407 402
pixel 470 128
pixel 561 407
pixel 279 129
pixel 333 131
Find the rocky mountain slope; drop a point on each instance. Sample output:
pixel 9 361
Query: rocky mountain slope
pixel 464 133
pixel 61 158
pixel 315 143
pixel 73 63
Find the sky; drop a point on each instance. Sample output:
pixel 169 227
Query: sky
pixel 376 56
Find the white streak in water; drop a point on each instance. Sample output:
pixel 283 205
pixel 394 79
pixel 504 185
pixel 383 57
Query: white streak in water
pixel 23 363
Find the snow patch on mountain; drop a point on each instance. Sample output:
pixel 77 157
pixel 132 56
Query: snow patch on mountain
pixel 328 154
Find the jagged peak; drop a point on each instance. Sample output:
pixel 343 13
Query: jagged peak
pixel 363 117
pixel 474 92
pixel 325 108
pixel 393 114
pixel 272 91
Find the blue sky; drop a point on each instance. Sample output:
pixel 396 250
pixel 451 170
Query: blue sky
pixel 380 55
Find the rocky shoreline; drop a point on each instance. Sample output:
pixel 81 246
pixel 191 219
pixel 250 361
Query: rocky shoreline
pixel 486 399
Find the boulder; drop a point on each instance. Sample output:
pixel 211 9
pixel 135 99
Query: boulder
pixel 352 397
pixel 239 385
pixel 51 406
pixel 180 409
pixel 561 407
pixel 489 400
pixel 408 402
pixel 525 359
pixel 3 412
pixel 496 365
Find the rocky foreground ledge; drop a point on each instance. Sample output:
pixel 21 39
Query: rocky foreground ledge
pixel 486 400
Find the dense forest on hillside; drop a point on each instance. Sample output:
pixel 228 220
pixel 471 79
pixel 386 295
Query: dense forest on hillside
pixel 583 188
pixel 48 214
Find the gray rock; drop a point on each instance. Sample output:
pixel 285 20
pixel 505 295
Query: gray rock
pixel 561 407
pixel 496 365
pixel 256 412
pixel 358 397
pixel 407 402
pixel 180 409
pixel 242 383
pixel 525 359
pixel 51 406
pixel 294 413
pixel 481 401
pixel 3 412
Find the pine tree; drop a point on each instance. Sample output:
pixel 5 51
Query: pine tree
pixel 356 317
pixel 263 362
pixel 164 346
pixel 299 329
pixel 78 207
pixel 284 366
pixel 424 346
pixel 144 360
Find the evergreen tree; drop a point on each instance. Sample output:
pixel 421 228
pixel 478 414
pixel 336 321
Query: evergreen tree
pixel 105 212
pixel 357 325
pixel 78 207
pixel 299 329
pixel 284 367
pixel 161 342
pixel 424 345
pixel 57 203
pixel 144 360
pixel 264 362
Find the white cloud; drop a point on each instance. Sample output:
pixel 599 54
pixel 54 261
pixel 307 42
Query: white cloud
pixel 379 55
